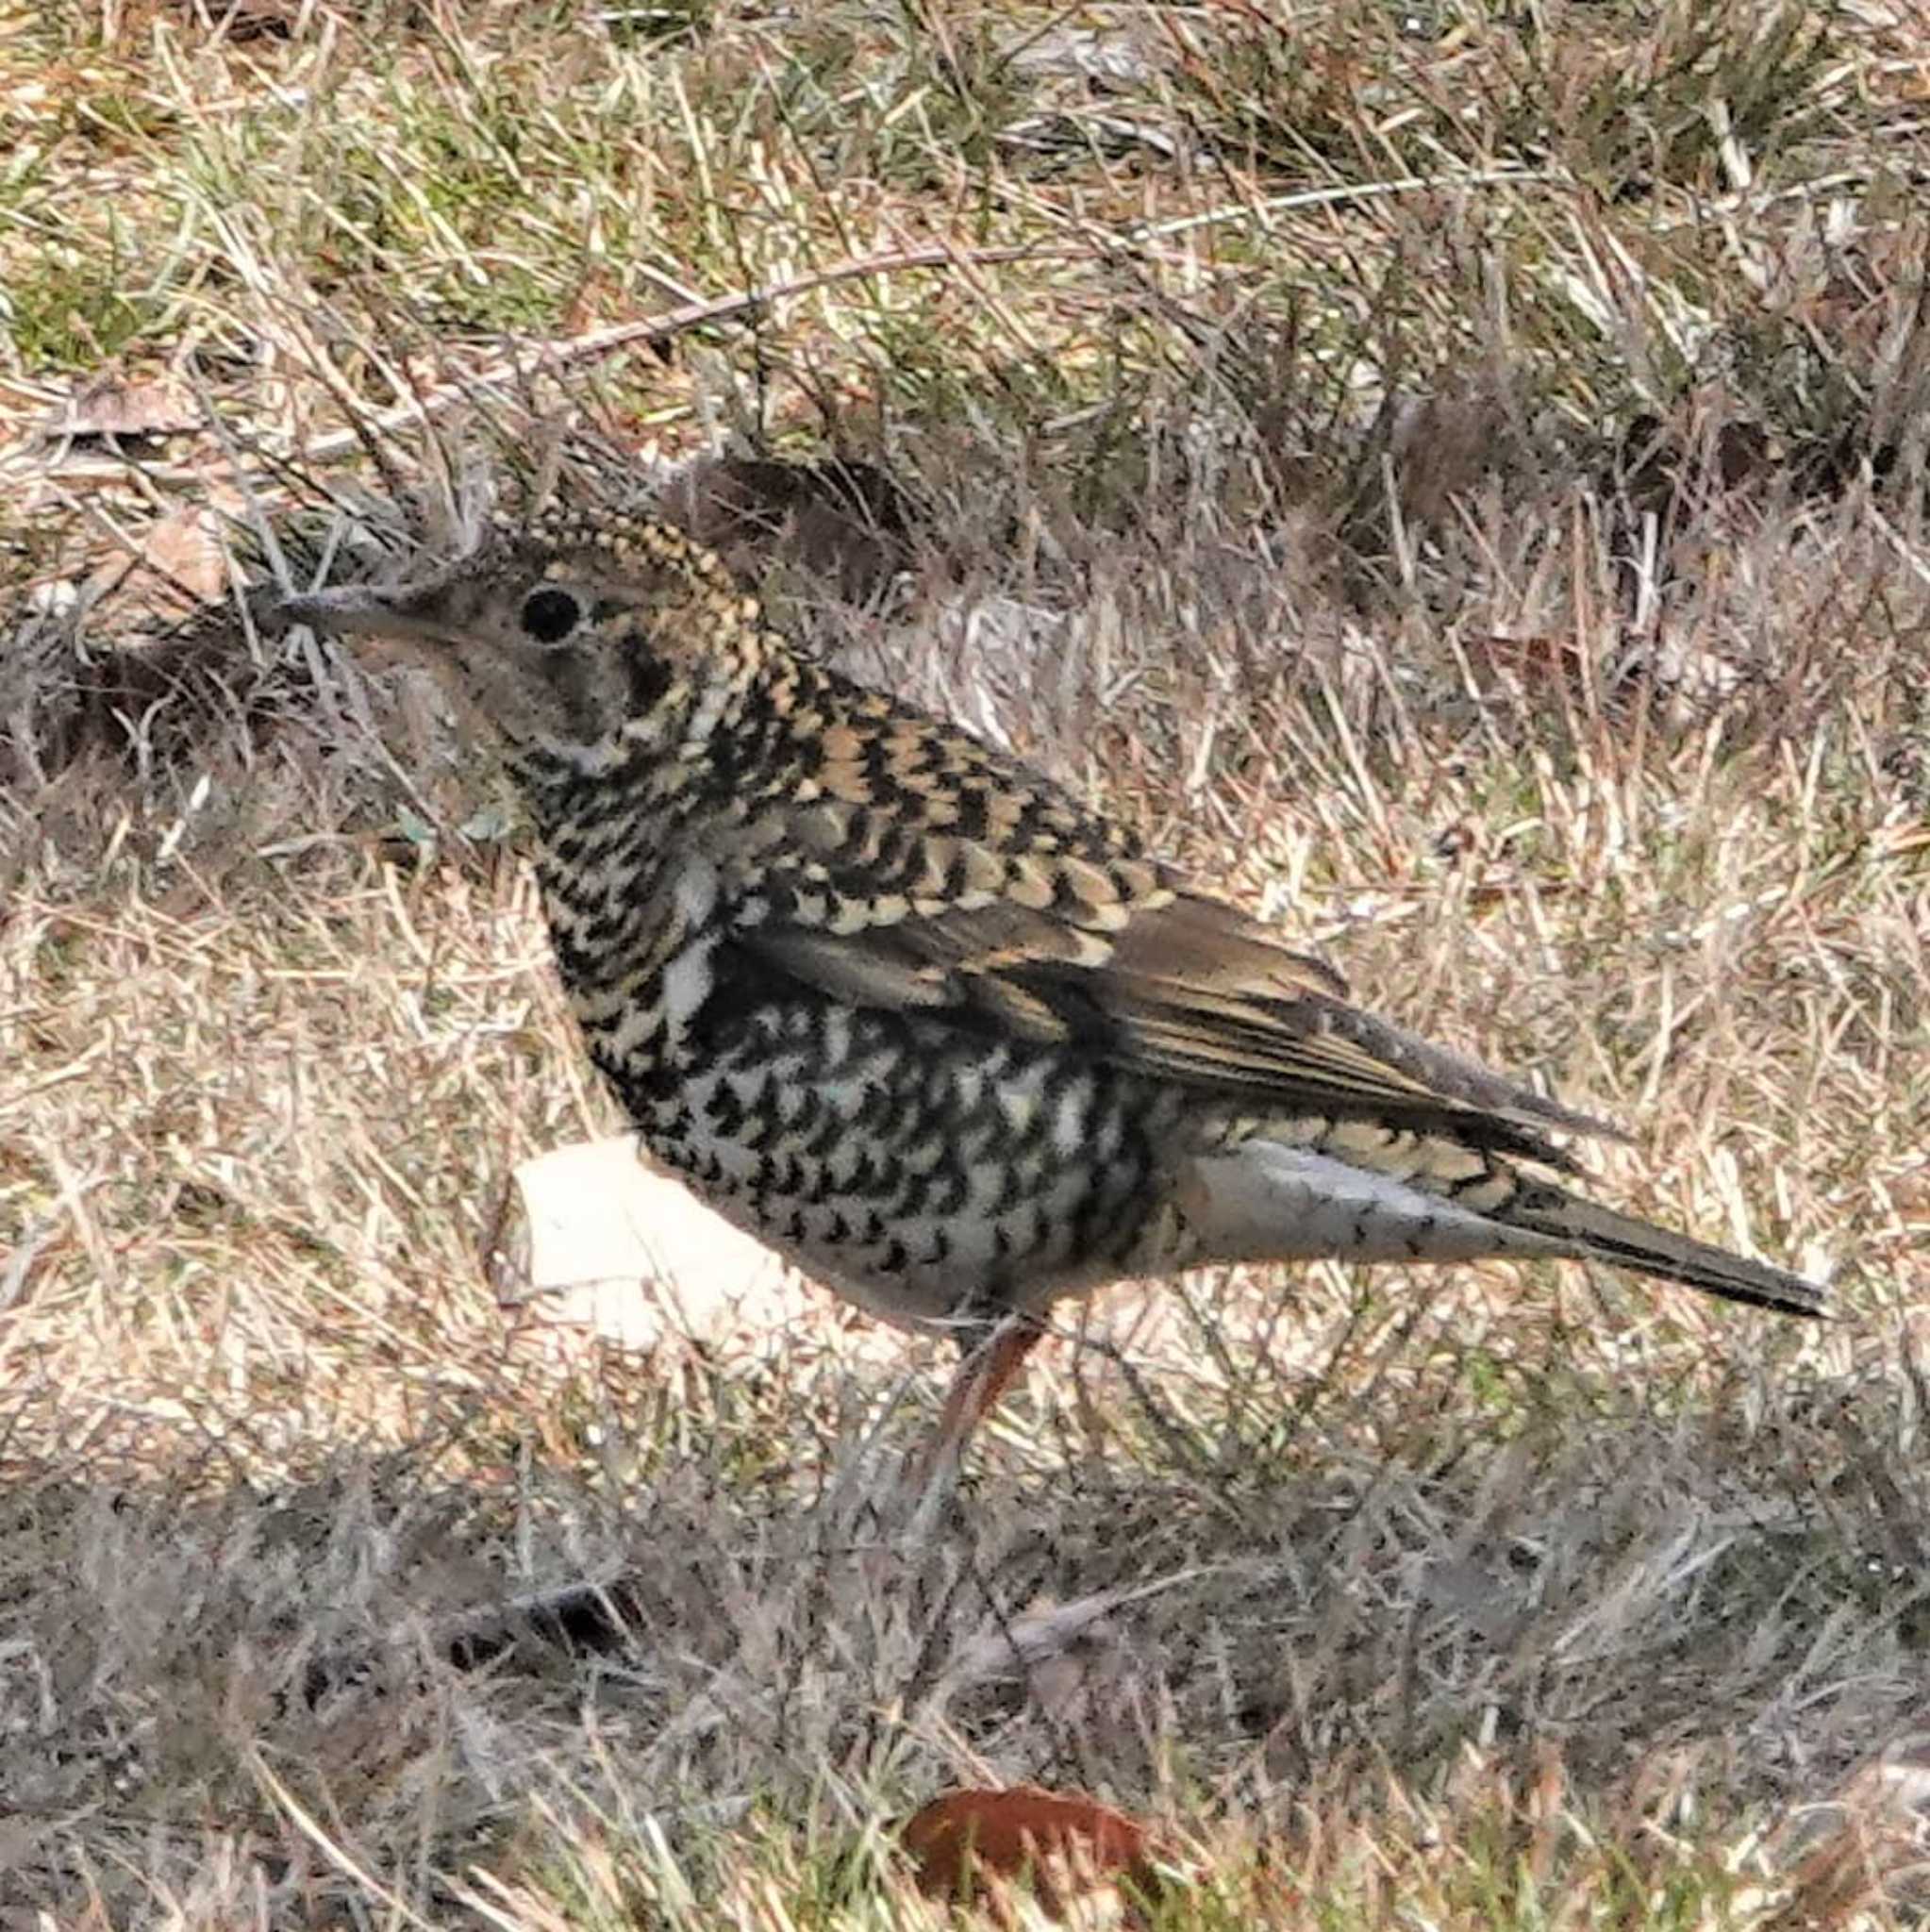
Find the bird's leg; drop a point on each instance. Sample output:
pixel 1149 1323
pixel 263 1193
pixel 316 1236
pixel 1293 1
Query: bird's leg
pixel 992 1359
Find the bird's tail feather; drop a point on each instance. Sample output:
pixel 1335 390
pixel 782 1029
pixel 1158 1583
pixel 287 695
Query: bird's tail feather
pixel 1601 1234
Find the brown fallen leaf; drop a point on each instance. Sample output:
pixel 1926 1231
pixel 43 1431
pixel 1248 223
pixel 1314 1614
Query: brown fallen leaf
pixel 1862 1851
pixel 113 405
pixel 1077 1855
pixel 185 547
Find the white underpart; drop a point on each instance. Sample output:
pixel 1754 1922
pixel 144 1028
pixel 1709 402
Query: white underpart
pixel 685 984
pixel 1069 1124
pixel 687 978
pixel 712 704
pixel 837 1039
pixel 638 1023
pixel 1018 1095
pixel 1270 1202
pixel 696 891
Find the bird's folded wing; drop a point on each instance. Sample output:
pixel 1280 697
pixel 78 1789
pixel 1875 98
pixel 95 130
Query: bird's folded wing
pixel 1158 980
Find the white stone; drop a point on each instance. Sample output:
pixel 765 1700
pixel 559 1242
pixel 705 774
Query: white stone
pixel 615 1245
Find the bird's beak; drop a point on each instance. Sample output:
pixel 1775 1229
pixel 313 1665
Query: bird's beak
pixel 400 614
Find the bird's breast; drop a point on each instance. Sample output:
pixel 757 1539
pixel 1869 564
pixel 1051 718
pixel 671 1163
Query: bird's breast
pixel 923 1172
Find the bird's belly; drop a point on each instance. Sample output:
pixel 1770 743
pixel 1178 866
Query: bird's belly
pixel 927 1177
pixel 1265 1199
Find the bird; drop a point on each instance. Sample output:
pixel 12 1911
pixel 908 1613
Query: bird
pixel 952 1040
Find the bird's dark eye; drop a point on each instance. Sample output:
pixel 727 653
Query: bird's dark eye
pixel 549 615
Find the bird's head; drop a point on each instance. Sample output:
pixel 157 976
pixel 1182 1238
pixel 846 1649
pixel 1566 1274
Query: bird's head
pixel 574 638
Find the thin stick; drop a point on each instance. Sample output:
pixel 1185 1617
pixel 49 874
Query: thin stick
pixel 565 351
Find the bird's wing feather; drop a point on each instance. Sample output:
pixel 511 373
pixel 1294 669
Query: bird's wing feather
pixel 1131 967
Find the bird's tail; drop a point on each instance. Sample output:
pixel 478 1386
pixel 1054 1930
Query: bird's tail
pixel 1600 1234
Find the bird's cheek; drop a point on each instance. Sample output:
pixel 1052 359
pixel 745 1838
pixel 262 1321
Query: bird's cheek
pixel 574 695
pixel 470 682
pixel 385 652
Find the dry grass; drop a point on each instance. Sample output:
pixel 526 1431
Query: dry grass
pixel 1456 477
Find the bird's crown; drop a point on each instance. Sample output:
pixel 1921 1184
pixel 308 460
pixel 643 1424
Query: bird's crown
pixel 575 633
